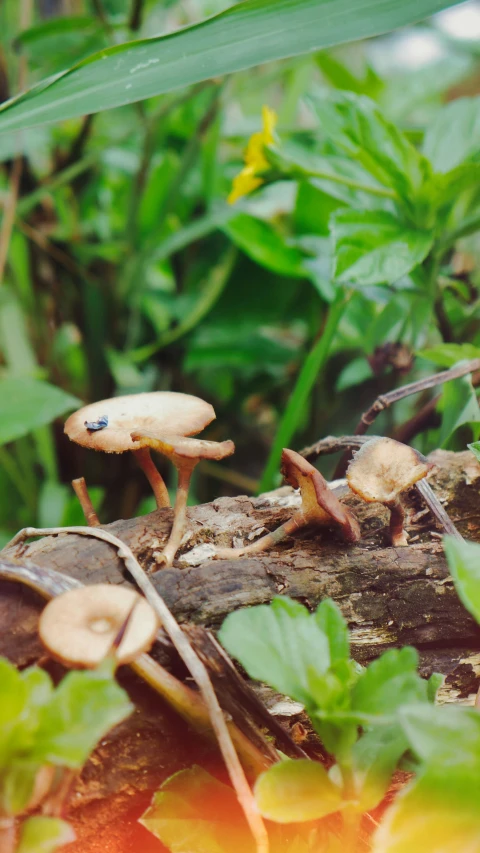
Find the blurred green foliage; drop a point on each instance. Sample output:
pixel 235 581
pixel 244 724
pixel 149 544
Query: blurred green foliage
pixel 353 269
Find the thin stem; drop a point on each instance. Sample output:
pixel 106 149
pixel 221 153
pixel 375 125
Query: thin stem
pixel 268 541
pixel 12 469
pixel 397 517
pixel 67 175
pixel 469 226
pixel 179 514
pixel 80 488
pixel 9 211
pixel 191 660
pixel 306 379
pixel 430 498
pixel 135 20
pixel 354 185
pixel 153 476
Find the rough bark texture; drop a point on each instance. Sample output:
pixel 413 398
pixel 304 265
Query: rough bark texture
pixel 389 597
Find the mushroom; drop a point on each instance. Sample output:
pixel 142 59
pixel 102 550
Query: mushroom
pixel 185 453
pixel 320 506
pixel 80 628
pixel 108 424
pixel 380 471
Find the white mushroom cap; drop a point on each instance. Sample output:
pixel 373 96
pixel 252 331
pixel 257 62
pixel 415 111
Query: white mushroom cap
pixel 80 626
pixel 383 468
pixel 157 411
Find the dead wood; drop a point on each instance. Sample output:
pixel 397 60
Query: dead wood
pixel 389 597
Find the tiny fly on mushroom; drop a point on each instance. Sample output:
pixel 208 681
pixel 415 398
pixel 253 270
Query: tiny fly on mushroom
pixel 100 423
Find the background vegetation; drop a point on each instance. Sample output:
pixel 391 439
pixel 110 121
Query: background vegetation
pixel 353 269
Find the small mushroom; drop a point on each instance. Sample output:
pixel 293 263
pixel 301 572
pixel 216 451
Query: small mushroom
pixel 80 628
pixel 320 507
pixel 380 471
pixel 108 424
pixel 185 453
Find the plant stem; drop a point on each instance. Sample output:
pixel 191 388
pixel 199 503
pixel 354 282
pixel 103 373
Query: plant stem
pixel 303 387
pixel 179 513
pixel 469 226
pixel 12 469
pixel 153 476
pixel 80 488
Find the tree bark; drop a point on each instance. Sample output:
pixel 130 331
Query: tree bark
pixel 390 597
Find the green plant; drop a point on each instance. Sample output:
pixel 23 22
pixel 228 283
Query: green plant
pixel 46 736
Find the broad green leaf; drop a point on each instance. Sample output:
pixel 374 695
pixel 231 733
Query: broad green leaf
pixel 375 756
pixel 248 34
pixel 330 620
pixel 459 405
pixel 446 355
pixel 294 791
pixel 26 404
pixel 464 563
pixel 193 812
pixel 375 247
pixel 357 126
pixel 84 707
pixel 280 644
pixel 454 135
pixel 444 736
pixel 438 813
pixel 265 245
pixel 44 835
pixel 17 781
pixel 389 682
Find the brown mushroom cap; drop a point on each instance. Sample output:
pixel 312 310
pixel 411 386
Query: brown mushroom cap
pixel 80 626
pixel 317 497
pixel 383 468
pixel 157 411
pixel 183 447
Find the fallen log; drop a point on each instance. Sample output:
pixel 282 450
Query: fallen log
pixel 389 597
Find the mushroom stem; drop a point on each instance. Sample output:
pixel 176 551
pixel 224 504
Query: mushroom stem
pixel 179 513
pixel 80 488
pixel 268 541
pixel 153 476
pixel 398 535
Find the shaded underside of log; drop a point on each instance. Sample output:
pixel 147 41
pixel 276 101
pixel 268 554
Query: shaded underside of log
pixel 389 597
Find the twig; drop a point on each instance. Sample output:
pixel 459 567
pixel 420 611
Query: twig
pixel 80 488
pixel 384 401
pixel 436 508
pixel 191 660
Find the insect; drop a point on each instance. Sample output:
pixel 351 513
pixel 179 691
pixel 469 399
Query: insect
pixel 100 423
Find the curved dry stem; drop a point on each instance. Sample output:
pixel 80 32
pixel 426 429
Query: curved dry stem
pixel 80 488
pixel 190 659
pixel 8 835
pixel 153 476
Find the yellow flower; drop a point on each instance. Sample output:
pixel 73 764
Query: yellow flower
pixel 255 161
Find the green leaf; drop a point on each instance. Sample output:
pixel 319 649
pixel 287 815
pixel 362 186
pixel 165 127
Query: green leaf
pixel 438 813
pixel 445 736
pixel 26 404
pixel 475 448
pixel 44 835
pixel 281 644
pixel 374 247
pixel 84 707
pixel 357 126
pixel 265 245
pixel 295 791
pixel 248 34
pixel 375 756
pixel 454 135
pixel 459 405
pixel 195 813
pixel 389 682
pixel 330 620
pixel 446 355
pixel 464 563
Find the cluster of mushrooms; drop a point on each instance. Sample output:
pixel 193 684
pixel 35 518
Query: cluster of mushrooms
pixel 165 421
